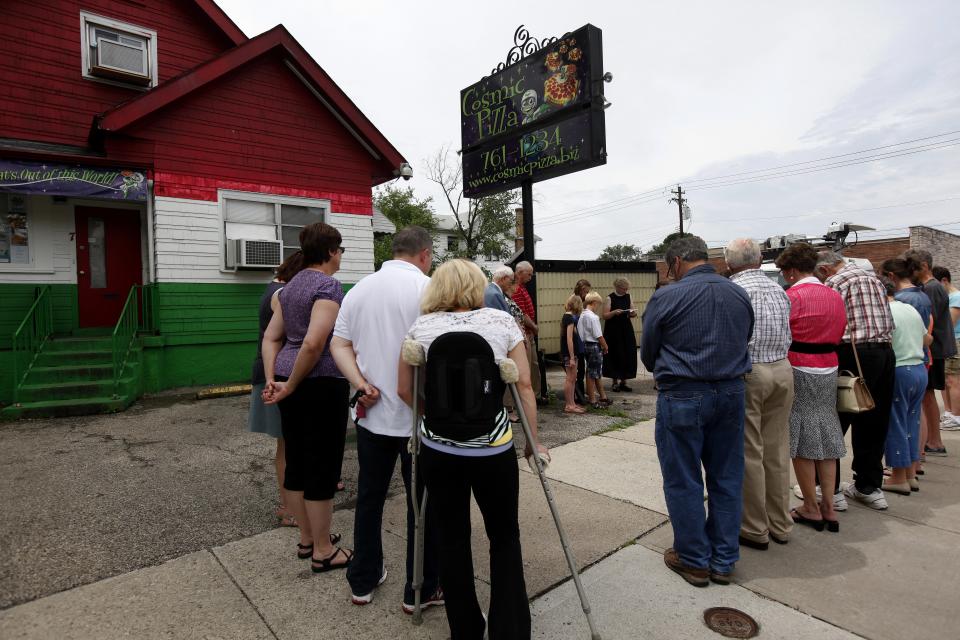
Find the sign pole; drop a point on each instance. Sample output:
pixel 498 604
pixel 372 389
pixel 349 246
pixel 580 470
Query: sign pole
pixel 526 191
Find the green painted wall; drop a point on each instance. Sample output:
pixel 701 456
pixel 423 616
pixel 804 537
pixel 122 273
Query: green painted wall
pixel 208 335
pixel 207 332
pixel 15 301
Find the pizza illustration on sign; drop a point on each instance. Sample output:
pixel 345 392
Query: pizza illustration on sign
pixel 561 87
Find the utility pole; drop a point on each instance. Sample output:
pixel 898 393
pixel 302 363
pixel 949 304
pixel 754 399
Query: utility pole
pixel 680 200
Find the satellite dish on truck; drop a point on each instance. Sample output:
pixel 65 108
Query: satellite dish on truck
pixel 835 239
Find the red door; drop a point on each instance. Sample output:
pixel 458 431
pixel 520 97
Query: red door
pixel 108 262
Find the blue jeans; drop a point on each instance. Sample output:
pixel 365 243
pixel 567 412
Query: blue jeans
pixel 377 455
pixel 903 436
pixel 702 423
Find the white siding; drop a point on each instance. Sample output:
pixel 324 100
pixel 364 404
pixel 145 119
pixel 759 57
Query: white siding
pixel 381 223
pixel 357 232
pixel 189 244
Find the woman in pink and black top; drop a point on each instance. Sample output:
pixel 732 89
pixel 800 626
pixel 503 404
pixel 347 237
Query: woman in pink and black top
pixel 817 322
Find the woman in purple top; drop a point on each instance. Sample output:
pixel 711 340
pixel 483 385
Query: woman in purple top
pixel 303 379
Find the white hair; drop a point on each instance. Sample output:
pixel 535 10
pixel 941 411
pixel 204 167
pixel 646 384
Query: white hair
pixel 502 272
pixel 742 252
pixel 524 266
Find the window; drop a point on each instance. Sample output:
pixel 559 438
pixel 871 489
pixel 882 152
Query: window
pixel 452 243
pixel 117 52
pixel 252 216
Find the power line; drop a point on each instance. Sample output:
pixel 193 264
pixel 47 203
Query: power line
pixel 606 206
pixel 831 213
pixel 847 163
pixel 581 216
pixel 842 155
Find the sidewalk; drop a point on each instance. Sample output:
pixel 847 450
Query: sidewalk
pixel 886 575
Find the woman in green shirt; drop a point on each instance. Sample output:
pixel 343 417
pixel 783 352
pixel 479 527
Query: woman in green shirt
pixel 910 382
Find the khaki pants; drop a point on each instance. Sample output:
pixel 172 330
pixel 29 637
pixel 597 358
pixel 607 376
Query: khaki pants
pixel 534 365
pixel 766 452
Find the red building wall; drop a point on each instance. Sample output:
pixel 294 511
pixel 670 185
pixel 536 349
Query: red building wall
pixel 258 129
pixel 46 98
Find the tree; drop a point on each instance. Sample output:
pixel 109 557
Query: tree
pixel 484 224
pixel 621 253
pixel 660 249
pixel 402 207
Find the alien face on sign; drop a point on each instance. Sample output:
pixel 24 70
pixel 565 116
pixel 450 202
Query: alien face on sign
pixel 528 103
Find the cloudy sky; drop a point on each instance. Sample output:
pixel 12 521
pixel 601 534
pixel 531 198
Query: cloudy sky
pixel 701 90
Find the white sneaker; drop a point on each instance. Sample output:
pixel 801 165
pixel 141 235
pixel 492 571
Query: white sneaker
pixel 949 422
pixel 367 598
pixel 839 501
pixel 875 500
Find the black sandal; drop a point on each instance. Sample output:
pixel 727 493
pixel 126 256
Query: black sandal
pixel 833 526
pixel 305 551
pixel 799 518
pixel 326 564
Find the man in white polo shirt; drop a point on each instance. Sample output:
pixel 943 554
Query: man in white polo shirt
pixel 374 318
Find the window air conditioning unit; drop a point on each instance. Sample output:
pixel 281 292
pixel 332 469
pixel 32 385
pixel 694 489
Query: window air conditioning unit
pixel 118 55
pixel 254 254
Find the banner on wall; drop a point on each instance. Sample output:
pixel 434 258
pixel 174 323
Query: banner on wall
pixel 40 178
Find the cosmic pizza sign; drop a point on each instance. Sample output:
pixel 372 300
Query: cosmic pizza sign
pixel 536 119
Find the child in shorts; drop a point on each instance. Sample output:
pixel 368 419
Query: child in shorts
pixel 594 346
pixel 570 348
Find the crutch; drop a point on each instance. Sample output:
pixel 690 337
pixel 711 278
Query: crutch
pixel 413 355
pixel 510 375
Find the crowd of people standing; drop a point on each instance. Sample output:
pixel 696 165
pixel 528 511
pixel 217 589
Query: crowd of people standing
pixel 748 375
pixel 317 342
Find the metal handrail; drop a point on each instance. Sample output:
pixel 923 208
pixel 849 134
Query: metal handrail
pixel 29 338
pixel 149 321
pixel 124 335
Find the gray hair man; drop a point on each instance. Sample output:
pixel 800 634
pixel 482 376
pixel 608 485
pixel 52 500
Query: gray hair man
pixel 494 296
pixel 373 320
pixel 870 329
pixel 521 296
pixel 695 336
pixel 768 401
pixel 944 346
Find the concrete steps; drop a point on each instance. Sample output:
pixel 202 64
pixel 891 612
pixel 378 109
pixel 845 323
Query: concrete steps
pixel 73 375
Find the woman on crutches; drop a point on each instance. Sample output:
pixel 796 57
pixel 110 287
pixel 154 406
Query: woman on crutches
pixel 485 464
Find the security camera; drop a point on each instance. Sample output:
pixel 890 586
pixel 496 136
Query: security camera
pixel 406 171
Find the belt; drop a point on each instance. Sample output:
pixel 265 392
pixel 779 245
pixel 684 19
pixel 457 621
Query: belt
pixel 870 345
pixel 812 347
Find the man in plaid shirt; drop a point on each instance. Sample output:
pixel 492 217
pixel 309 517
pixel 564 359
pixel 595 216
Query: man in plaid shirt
pixel 524 273
pixel 769 399
pixel 870 327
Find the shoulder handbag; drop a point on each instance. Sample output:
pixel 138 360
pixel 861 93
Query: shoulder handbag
pixel 853 396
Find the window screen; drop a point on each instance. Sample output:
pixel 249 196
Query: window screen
pixel 249 212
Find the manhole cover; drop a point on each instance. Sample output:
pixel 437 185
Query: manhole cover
pixel 730 622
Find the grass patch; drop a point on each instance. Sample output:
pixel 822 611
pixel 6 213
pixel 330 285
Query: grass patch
pixel 617 425
pixel 608 412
